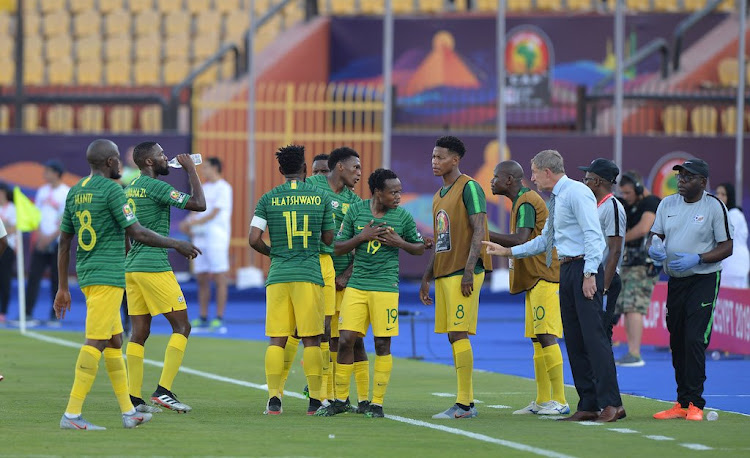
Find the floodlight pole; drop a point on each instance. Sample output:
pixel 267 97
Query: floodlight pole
pixel 619 75
pixel 251 111
pixel 387 83
pixel 502 132
pixel 740 127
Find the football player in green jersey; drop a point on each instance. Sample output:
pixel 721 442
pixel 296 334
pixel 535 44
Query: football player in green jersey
pixel 97 212
pixel 150 284
pixel 320 165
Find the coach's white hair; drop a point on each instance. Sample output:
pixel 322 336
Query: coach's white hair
pixel 549 159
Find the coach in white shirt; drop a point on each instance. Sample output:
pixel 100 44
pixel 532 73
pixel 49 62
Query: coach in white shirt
pixel 50 199
pixel 211 231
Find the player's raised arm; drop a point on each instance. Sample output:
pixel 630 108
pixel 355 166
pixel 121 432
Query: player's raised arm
pixel 197 201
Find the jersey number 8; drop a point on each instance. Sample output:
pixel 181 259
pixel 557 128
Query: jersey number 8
pixel 292 231
pixel 84 217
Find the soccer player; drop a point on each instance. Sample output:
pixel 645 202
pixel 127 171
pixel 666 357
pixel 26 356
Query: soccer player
pixel 298 217
pixel 151 286
pixel 320 165
pixel 377 228
pixel 98 214
pixel 459 212
pixel 542 287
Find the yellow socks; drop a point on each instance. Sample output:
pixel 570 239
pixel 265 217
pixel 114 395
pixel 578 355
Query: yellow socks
pixel 118 375
pixel 332 378
pixel 274 367
pixel 290 352
pixel 86 367
pixel 554 362
pixel 464 369
pixel 343 380
pixel 135 354
pixel 172 359
pixel 325 350
pixel 362 379
pixel 541 376
pixel 313 363
pixel 383 368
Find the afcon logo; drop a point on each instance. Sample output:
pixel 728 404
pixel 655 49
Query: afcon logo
pixel 662 178
pixel 527 52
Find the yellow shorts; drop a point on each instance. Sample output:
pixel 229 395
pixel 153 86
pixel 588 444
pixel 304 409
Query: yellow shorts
pixel 153 293
pixel 360 308
pixel 453 311
pixel 337 313
pixel 543 310
pixel 329 280
pixel 103 304
pixel 294 305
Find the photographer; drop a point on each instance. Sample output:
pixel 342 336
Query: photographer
pixel 638 272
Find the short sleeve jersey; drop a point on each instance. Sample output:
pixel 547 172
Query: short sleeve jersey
pixel 340 203
pixel 297 213
pixel 692 228
pixel 375 264
pixel 97 212
pixel 150 200
pixel 526 215
pixel 613 221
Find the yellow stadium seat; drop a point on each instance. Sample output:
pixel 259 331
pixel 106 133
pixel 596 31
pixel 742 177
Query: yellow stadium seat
pixel 87 23
pixel 90 118
pixel 430 6
pixel 79 6
pixel 519 5
pixel 148 47
pixel 30 118
pixel 638 5
pixel 136 6
pixel 177 23
pixel 205 46
pixel 32 47
pixel 293 14
pixel 149 119
pixel 147 22
pixel 726 5
pixel 703 120
pixel 402 6
pixel 117 23
pixel 7 71
pixel 5 20
pixel 147 72
pixel 58 48
pixel 51 6
pixel 549 5
pixel 175 71
pixel 118 48
pixel 4 118
pixel 207 22
pixel 121 119
pixel 261 6
pixel 486 5
pixel 198 6
pixel 580 5
pixel 7 48
pixel 89 48
pixel 60 71
pixel 729 121
pixel 693 5
pixel 227 6
pixel 728 70
pixel 117 73
pixel 32 23
pixel 177 47
pixel 666 5
pixel 371 6
pixel 342 7
pixel 167 6
pixel 107 6
pixel 235 26
pixel 60 118
pixel 208 77
pixel 89 72
pixel 56 23
pixel 674 119
pixel 227 67
pixel 33 71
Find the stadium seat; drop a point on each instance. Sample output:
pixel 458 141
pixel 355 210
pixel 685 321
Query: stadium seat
pixel 666 5
pixel 108 6
pixel 430 6
pixel 198 6
pixel 638 5
pixel 549 5
pixel 121 119
pixel 205 46
pixel 519 5
pixel 167 6
pixel 674 119
pixel 148 47
pixel 90 118
pixel 60 71
pixel 177 47
pixel 177 23
pixel 228 6
pixel 580 5
pixel 726 5
pixel 175 71
pixel 117 73
pixel 58 48
pixel 4 118
pixel 118 48
pixel 693 5
pixel 5 20
pixel 147 72
pixel 293 14
pixel 32 47
pixel 207 22
pixel 6 48
pixel 261 6
pixel 371 6
pixel 33 71
pixel 56 23
pixel 149 119
pixel 227 67
pixel 60 118
pixel 7 71
pixel 208 77
pixel 87 23
pixel 235 26
pixel 147 22
pixel 703 120
pixel 30 118
pixel 32 23
pixel 89 72
pixel 79 6
pixel 89 48
pixel 729 121
pixel 50 6
pixel 728 70
pixel 342 7
pixel 402 6
pixel 117 23
pixel 136 6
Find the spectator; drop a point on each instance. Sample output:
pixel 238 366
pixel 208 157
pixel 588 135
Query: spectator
pixel 734 269
pixel 210 232
pixel 50 199
pixel 7 259
pixel 638 274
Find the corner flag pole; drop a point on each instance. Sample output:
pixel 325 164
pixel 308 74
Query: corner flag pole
pixel 21 282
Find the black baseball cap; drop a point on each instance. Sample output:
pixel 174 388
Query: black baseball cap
pixel 55 165
pixel 694 166
pixel 604 168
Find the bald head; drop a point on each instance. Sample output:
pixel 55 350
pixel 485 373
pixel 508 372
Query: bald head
pixel 98 155
pixel 512 168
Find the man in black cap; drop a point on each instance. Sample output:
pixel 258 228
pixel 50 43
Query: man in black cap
pixel 697 237
pixel 600 176
pixel 50 199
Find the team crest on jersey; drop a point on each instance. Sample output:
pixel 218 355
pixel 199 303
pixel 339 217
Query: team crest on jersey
pixel 443 232
pixel 698 219
pixel 177 196
pixel 128 212
pixel 335 204
pixel 344 208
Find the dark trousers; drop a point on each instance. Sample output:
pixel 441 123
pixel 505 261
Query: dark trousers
pixel 40 261
pixel 6 272
pixel 609 312
pixel 690 311
pixel 589 350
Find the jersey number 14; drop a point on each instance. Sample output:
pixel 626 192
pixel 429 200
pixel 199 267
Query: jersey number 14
pixel 292 231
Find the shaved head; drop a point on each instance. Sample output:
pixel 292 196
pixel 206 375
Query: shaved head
pixel 512 168
pixel 98 155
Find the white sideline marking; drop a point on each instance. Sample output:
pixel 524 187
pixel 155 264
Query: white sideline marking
pixel 624 430
pixel 589 423
pixel 498 406
pixel 410 421
pixel 659 438
pixel 696 446
pixel 444 395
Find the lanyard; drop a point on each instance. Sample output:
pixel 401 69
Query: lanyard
pixel 603 200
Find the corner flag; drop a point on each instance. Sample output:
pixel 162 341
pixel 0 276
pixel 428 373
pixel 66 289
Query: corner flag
pixel 27 215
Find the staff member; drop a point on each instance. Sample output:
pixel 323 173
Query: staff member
pixel 600 176
pixel 574 230
pixel 697 236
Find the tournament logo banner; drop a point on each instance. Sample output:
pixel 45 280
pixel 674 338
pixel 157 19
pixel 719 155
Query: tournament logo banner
pixel 528 66
pixel 662 178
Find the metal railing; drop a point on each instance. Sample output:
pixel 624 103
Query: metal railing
pixel 657 45
pixel 686 25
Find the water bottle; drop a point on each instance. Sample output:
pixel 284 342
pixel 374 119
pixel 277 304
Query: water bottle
pixel 658 244
pixel 197 160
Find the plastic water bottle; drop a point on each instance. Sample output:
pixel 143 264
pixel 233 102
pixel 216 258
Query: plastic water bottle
pixel 197 160
pixel 658 244
pixel 712 415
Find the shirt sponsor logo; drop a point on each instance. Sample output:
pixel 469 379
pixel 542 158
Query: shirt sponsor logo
pixel 698 219
pixel 128 212
pixel 443 225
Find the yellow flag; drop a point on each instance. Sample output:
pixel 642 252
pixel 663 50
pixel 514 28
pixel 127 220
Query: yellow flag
pixel 27 215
